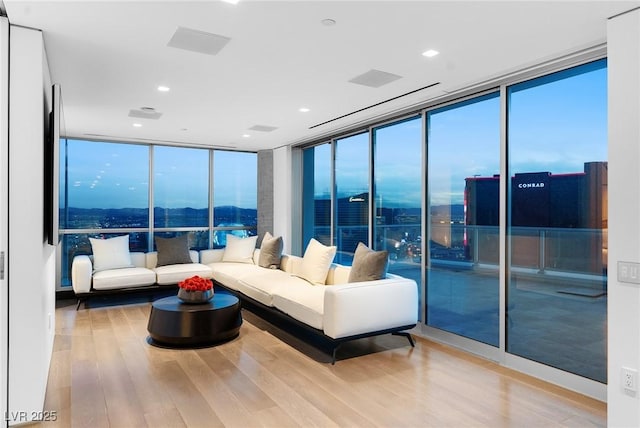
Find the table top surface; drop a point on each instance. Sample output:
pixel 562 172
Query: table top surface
pixel 220 300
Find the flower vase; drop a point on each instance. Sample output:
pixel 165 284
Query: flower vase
pixel 195 296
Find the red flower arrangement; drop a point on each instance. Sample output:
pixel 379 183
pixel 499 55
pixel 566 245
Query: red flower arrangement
pixel 196 283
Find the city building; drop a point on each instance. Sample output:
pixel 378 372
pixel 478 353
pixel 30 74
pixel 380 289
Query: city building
pixel 333 101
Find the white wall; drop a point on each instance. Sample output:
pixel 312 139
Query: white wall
pixel 623 50
pixel 31 260
pixel 4 201
pixel 282 220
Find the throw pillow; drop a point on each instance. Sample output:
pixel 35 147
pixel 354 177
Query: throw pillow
pixel 112 253
pixel 239 250
pixel 173 251
pixel 316 262
pixel 368 265
pixel 270 251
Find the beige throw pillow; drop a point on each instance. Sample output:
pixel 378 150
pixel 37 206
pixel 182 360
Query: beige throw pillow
pixel 270 251
pixel 239 250
pixel 368 265
pixel 316 262
pixel 112 253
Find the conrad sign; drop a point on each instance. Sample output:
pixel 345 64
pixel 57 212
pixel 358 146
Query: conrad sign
pixel 530 185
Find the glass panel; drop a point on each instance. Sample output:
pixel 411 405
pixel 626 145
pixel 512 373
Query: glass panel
pixel 235 194
pixel 462 269
pixel 352 195
pixel 557 301
pixel 398 196
pixel 107 185
pixel 316 205
pixel 181 187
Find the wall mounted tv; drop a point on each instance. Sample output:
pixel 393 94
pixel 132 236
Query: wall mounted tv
pixel 52 168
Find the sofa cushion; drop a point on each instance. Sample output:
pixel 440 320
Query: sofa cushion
pixel 270 251
pixel 263 285
pixel 123 278
pixel 228 274
pixel 239 250
pixel 304 302
pixel 316 262
pixel 112 253
pixel 173 250
pixel 173 274
pixel 368 265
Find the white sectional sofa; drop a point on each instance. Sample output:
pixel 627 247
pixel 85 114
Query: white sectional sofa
pixel 338 310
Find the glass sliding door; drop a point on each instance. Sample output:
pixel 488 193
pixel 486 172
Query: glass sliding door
pixel 397 202
pixel 352 195
pixel 316 205
pixel 557 220
pixel 463 152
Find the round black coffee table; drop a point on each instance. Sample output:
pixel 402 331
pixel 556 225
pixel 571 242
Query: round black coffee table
pixel 176 324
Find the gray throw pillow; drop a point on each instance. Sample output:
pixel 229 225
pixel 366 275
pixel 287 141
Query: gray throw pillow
pixel 173 251
pixel 270 251
pixel 368 265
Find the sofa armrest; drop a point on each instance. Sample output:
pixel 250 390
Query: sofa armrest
pixel 365 307
pixel 290 264
pixel 81 271
pixel 138 259
pixel 211 256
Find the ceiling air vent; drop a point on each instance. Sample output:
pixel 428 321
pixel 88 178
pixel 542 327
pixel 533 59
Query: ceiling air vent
pixel 145 113
pixel 263 128
pixel 375 78
pixel 198 41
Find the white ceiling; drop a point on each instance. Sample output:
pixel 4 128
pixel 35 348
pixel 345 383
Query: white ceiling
pixel 110 56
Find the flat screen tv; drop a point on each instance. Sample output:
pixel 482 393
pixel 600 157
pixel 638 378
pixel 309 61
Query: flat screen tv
pixel 52 168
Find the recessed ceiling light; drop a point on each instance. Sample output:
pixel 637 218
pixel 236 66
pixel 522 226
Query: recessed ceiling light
pixel 430 53
pixel 137 125
pixel 164 88
pixel 148 109
pixel 304 110
pixel 231 1
pixel 328 22
pixel 184 129
pixel 246 135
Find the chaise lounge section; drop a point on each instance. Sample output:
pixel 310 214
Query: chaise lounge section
pixel 332 309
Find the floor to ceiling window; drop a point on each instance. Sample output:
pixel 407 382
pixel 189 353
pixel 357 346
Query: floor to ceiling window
pixel 105 191
pixel 351 224
pixel 107 188
pixel 235 194
pixel 463 151
pixel 397 201
pixel 557 291
pixel 181 193
pixel 316 181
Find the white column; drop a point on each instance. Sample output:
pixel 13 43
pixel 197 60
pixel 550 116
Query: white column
pixel 623 51
pixel 282 195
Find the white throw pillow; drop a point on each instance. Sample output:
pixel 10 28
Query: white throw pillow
pixel 112 253
pixel 316 262
pixel 239 250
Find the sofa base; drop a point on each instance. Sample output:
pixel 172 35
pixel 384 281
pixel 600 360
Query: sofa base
pixel 301 330
pixel 83 298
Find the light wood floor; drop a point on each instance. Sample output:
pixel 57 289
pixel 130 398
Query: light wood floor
pixel 104 373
